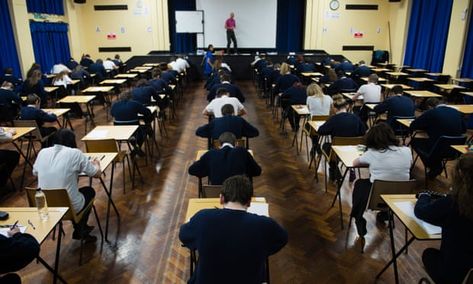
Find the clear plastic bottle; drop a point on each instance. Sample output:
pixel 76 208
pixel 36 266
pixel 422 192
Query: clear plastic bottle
pixel 41 204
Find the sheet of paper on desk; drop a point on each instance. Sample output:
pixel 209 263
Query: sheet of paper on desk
pixel 98 134
pixel 4 231
pixel 407 207
pixel 261 209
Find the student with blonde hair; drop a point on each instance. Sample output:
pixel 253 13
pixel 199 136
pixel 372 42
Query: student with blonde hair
pixel 317 102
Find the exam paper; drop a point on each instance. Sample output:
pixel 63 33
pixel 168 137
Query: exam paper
pixel 5 228
pixel 98 134
pixel 261 209
pixel 407 208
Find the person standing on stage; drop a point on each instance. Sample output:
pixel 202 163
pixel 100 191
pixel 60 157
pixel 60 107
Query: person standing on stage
pixel 230 27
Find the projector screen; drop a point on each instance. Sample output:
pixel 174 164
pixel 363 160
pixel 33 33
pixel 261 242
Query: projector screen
pixel 255 22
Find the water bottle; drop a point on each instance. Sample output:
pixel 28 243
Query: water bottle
pixel 41 204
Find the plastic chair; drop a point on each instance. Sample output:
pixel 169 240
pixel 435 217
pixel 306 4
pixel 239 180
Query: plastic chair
pixel 60 198
pixel 380 187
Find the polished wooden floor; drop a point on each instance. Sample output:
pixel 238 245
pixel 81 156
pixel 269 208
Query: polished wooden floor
pixel 147 249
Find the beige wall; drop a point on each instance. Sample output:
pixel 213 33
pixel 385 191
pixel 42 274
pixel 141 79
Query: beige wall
pixel 399 24
pixel 143 27
pixel 457 37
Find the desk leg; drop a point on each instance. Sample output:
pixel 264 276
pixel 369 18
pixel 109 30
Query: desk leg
pixel 110 202
pixel 27 160
pixel 193 261
pixel 55 270
pixel 339 195
pixel 302 132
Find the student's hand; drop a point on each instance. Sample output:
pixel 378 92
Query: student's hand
pixel 11 131
pixel 13 231
pixel 96 163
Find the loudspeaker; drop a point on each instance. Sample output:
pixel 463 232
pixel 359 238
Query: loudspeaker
pixel 79 1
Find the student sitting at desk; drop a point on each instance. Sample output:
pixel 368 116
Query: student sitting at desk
pixel 32 112
pixel 341 124
pixel 98 69
pixel 126 111
pixel 227 123
pixel 9 160
pixel 143 92
pixel 79 73
pixel 9 77
pixel 371 93
pixel 34 85
pixel 10 101
pixel 454 213
pixel 59 67
pixel 317 102
pixel 232 89
pixel 387 161
pixel 233 245
pixel 223 97
pixel 86 61
pixel 17 250
pixel 295 95
pixel 59 167
pixel 286 80
pixel 361 71
pixel 438 120
pixel 396 105
pixel 62 80
pixel 342 84
pixel 219 164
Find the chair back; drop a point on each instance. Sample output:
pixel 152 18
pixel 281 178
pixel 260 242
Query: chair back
pixel 56 198
pixel 347 141
pixel 469 277
pixel 442 147
pixel 238 143
pixel 211 191
pixel 379 187
pixel 101 146
pixel 35 134
pixel 308 130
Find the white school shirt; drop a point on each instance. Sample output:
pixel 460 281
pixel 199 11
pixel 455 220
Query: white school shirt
pixel 59 167
pixel 391 165
pixel 63 82
pixel 215 106
pixel 109 65
pixel 371 93
pixel 58 68
pixel 318 105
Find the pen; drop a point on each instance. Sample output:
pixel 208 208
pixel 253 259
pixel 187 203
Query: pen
pixel 14 225
pixel 31 224
pixel 103 156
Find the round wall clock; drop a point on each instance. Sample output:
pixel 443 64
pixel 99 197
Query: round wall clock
pixel 334 5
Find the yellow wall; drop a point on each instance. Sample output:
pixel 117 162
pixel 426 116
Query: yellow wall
pixel 399 24
pixel 456 38
pixel 330 30
pixel 143 27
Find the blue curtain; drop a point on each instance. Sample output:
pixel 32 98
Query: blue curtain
pixel 55 7
pixel 8 54
pixel 50 44
pixel 181 42
pixel 290 25
pixel 467 66
pixel 427 35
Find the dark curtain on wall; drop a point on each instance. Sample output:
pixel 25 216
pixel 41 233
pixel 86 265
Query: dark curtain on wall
pixel 290 25
pixel 55 7
pixel 467 66
pixel 8 53
pixel 181 42
pixel 50 44
pixel 427 35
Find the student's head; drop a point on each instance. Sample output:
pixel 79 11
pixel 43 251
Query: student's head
pixel 332 75
pixel 99 61
pixel 397 90
pixel 380 137
pixel 297 85
pixel 141 83
pixel 462 185
pixel 7 86
pixel 227 137
pixel 210 47
pixel 224 77
pixel 222 92
pixel 34 76
pixel 284 68
pixel 340 73
pixel 8 71
pixel 33 99
pixel 125 96
pixel 314 90
pixel 339 103
pixel 362 62
pixel 237 189
pixel 65 137
pixel 431 103
pixel 78 68
pixel 117 56
pixel 228 109
pixel 373 78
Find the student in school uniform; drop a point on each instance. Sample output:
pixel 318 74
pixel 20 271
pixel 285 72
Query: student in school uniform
pixel 59 67
pixel 387 161
pixel 9 159
pixel 341 124
pixel 294 95
pixel 317 102
pixel 32 111
pixel 342 84
pixel 34 85
pixel 98 69
pixel 230 239
pixel 9 77
pixel 454 213
pixel 10 100
pixel 361 71
pixel 286 80
pixel 223 97
pixel 227 123
pixel 143 92
pixel 396 105
pixel 229 160
pixel 225 83
pixel 371 93
pixel 86 61
pixel 438 120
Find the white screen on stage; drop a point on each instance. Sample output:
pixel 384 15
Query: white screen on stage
pixel 189 22
pixel 255 22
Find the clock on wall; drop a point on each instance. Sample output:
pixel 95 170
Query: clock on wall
pixel 334 5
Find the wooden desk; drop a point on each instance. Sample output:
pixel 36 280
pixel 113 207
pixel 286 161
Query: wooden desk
pixel 20 131
pixel 85 100
pixel 50 89
pixel 405 121
pixel 105 160
pixel 311 74
pixel 448 87
pixel 396 74
pixel 463 149
pixel 379 70
pixel 464 109
pixel 346 155
pixel 200 153
pixel 467 94
pixel 302 111
pixel 420 79
pixel 143 68
pixel 126 76
pixel 416 70
pixel 422 94
pixel 113 82
pixel 96 89
pixel 60 112
pixel 371 106
pixel 379 79
pixel 402 206
pixel 152 64
pixel 462 80
pixel 41 230
pixel 315 124
pixel 137 71
pixel 390 86
pixel 116 132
